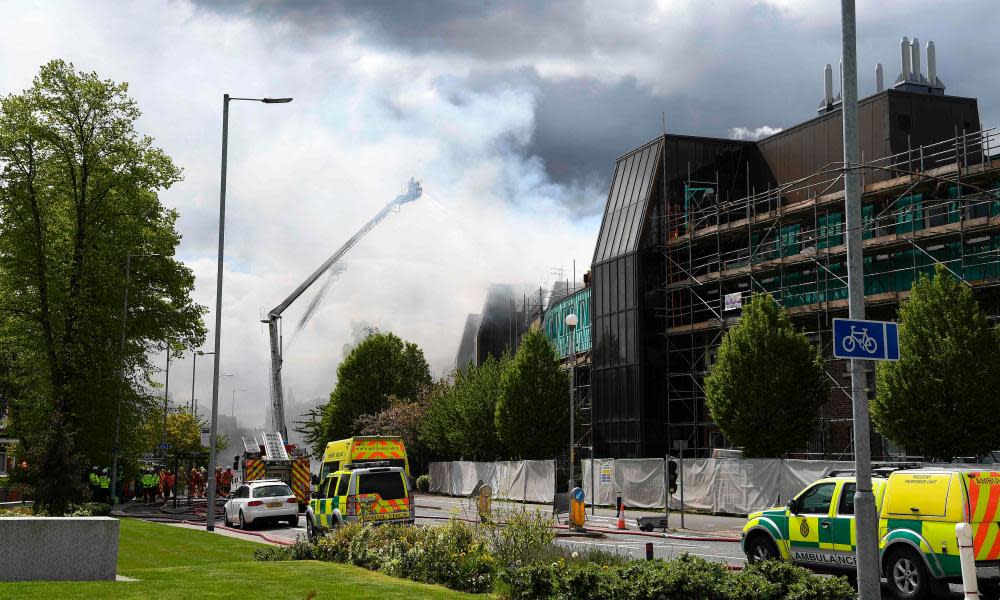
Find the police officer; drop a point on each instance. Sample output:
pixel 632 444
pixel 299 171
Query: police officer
pixel 94 481
pixel 105 482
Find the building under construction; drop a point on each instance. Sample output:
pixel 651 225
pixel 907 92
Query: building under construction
pixel 693 225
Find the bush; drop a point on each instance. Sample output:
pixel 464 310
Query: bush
pixel 517 537
pixel 680 579
pixel 90 509
pixel 272 553
pixel 424 483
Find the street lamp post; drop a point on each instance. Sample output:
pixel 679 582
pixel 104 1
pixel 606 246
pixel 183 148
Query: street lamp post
pixel 210 513
pixel 166 394
pixel 121 350
pixel 194 368
pixel 866 518
pixel 571 325
pixel 232 409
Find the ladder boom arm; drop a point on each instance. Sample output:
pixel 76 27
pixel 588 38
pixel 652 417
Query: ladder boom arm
pixel 413 192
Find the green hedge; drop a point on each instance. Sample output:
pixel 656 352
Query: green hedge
pixel 682 579
pixel 424 483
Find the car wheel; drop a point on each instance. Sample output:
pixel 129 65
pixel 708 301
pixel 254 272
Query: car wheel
pixel 907 576
pixel 310 529
pixel 760 547
pixel 225 518
pixel 243 521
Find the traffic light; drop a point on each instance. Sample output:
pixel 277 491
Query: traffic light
pixel 672 476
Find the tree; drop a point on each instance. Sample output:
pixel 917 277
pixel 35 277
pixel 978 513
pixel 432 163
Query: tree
pixel 939 399
pixel 78 193
pixel 460 421
pixel 532 412
pixel 380 367
pixel 767 384
pixel 183 432
pixel 403 419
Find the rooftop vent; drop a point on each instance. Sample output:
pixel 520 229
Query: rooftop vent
pixel 911 77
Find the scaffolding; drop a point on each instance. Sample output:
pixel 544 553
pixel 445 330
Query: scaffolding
pixel 937 204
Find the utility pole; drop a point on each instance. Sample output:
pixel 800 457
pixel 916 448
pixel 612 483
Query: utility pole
pixel 864 499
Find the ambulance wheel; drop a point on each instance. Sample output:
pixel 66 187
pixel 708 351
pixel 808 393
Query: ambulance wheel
pixel 906 575
pixel 760 547
pixel 310 530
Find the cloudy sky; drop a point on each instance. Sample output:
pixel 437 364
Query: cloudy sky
pixel 511 114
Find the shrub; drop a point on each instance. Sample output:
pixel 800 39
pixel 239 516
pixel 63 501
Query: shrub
pixel 272 553
pixel 90 509
pixel 684 578
pixel 517 537
pixel 424 483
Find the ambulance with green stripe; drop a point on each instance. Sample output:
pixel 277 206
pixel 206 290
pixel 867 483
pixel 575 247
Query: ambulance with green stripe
pixel 374 492
pixel 918 510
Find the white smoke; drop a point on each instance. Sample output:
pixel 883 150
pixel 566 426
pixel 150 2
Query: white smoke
pixel 756 133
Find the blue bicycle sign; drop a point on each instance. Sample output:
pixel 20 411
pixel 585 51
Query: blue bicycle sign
pixel 865 340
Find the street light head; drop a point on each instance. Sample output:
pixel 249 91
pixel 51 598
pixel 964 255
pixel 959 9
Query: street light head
pixel 276 100
pixel 571 320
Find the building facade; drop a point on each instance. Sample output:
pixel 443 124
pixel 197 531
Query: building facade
pixel 693 225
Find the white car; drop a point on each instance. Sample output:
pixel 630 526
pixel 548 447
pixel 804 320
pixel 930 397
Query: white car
pixel 261 500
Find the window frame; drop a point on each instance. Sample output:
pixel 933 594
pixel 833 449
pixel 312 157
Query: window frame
pixel 808 491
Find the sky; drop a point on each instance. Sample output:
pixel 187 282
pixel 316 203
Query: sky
pixel 511 114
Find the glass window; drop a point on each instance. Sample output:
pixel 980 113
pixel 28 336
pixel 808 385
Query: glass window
pixel 272 491
pixel 846 504
pixel 329 486
pixel 389 486
pixel 243 492
pixel 622 284
pixel 816 500
pixel 342 486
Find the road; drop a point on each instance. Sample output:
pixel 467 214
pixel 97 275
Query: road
pixel 434 510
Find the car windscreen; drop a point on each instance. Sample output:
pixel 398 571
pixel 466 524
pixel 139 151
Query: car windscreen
pixel 272 491
pixel 389 486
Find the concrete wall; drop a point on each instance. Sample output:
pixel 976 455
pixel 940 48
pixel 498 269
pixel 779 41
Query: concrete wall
pixel 58 548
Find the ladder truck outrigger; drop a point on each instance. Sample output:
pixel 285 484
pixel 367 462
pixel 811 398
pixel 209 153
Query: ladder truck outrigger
pixel 295 458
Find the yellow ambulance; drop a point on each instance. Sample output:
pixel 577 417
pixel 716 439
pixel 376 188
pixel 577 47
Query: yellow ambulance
pixel 362 449
pixel 918 510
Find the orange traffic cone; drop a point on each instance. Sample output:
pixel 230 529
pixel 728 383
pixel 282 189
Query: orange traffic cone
pixel 621 519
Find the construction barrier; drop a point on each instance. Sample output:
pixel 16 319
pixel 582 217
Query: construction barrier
pixel 736 486
pixel 529 480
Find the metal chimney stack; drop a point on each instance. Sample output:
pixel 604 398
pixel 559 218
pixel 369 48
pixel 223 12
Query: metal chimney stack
pixel 904 49
pixel 827 102
pixel 915 76
pixel 880 81
pixel 931 65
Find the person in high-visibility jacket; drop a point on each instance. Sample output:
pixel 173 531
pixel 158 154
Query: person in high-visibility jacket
pixel 105 483
pixel 149 483
pixel 94 481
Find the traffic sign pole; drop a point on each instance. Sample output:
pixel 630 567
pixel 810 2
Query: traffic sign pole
pixel 864 499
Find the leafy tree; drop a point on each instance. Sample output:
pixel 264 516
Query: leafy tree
pixel 78 193
pixel 460 421
pixel 532 412
pixel 940 398
pixel 767 384
pixel 380 367
pixel 183 432
pixel 403 419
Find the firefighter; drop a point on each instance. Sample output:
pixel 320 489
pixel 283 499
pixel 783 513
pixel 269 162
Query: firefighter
pixel 171 480
pixel 227 481
pixel 203 480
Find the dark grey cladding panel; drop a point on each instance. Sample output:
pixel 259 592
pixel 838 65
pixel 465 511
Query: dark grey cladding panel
pixel 627 201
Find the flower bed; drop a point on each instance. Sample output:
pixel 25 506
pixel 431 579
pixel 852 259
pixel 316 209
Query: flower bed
pixel 517 560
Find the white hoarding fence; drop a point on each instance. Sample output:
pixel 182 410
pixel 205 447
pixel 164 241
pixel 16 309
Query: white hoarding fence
pixel 530 480
pixel 719 485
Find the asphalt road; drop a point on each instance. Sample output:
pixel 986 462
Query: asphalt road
pixel 434 510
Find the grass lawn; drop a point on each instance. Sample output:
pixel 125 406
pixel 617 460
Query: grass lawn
pixel 171 562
